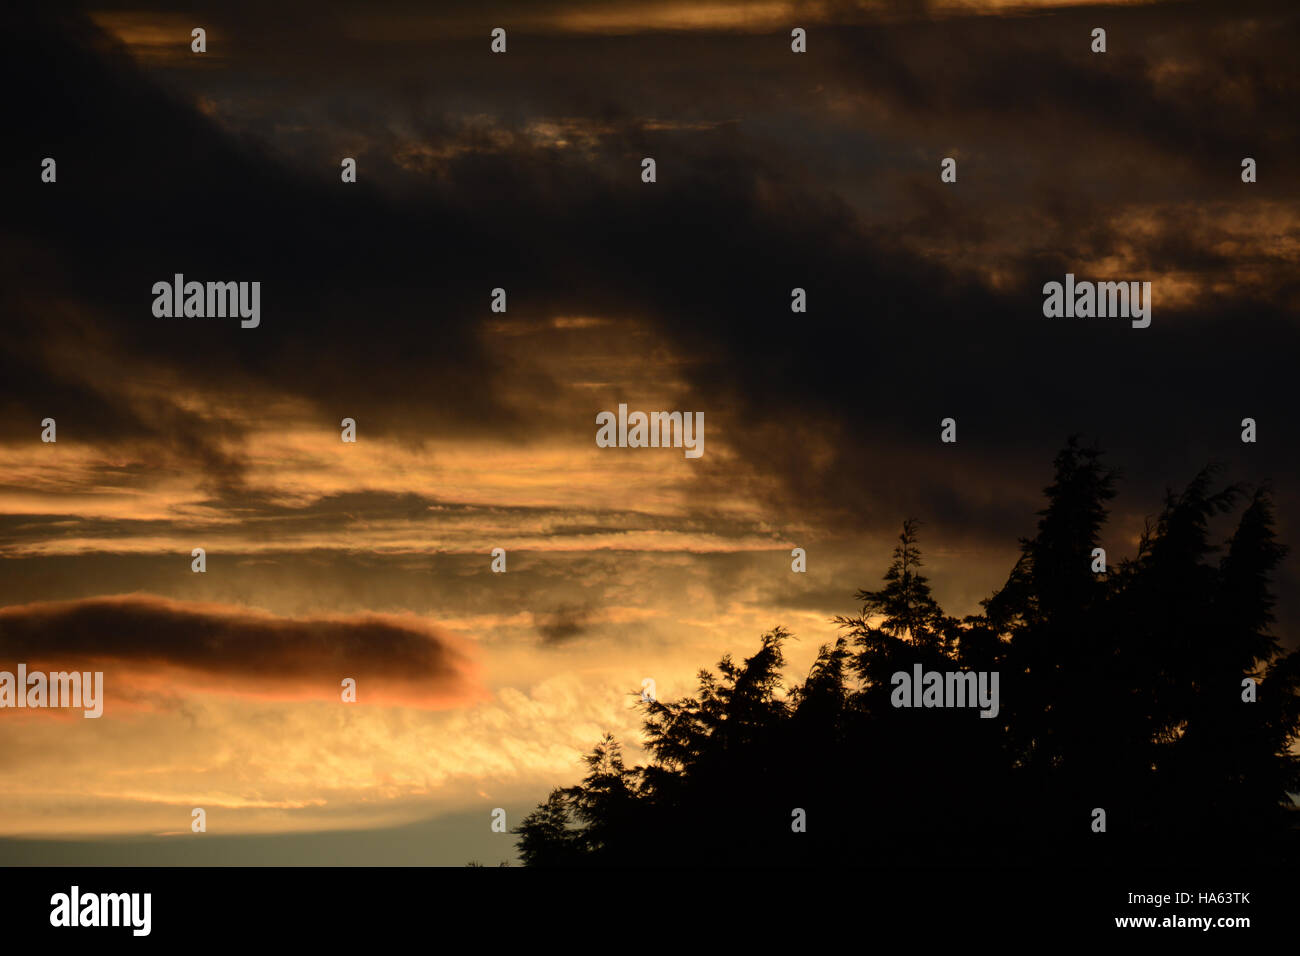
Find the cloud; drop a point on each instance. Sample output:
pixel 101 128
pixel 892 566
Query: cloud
pixel 817 171
pixel 562 623
pixel 146 640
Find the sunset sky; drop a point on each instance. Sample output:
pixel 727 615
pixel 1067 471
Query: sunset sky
pixel 476 429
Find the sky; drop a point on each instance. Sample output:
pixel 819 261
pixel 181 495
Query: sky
pixel 522 170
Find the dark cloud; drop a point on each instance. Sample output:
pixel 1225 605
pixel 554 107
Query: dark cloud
pixel 817 171
pixel 149 187
pixel 562 623
pixel 335 514
pixel 139 634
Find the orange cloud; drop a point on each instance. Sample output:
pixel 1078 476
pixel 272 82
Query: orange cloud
pixel 148 644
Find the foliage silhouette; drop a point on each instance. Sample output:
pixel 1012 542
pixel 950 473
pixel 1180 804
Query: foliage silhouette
pixel 1120 689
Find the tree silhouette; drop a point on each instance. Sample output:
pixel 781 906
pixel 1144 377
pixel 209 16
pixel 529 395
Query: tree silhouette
pixel 547 835
pixel 1121 689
